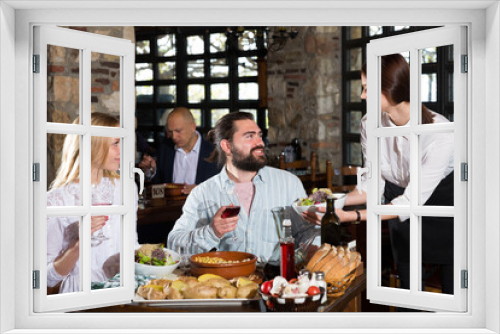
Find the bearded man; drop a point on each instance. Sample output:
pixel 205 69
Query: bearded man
pixel 244 181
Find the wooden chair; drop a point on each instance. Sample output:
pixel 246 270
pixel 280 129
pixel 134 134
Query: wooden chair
pixel 308 180
pixel 350 171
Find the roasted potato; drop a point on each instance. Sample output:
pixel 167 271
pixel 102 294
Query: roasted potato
pixel 217 282
pixel 200 292
pixel 173 293
pixel 247 291
pixel 227 292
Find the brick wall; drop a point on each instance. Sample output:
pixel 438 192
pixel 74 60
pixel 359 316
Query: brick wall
pixel 304 94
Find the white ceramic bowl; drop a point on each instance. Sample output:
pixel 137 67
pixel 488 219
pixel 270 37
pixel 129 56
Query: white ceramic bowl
pixel 158 271
pixel 339 204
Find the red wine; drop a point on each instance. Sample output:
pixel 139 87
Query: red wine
pixel 230 211
pixel 287 267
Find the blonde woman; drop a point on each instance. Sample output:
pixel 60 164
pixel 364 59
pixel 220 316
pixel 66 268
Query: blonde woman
pixel 62 232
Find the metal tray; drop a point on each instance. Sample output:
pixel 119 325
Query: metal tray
pixel 192 302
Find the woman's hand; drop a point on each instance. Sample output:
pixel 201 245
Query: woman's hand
pixel 97 222
pixel 344 216
pixel 312 217
pixel 221 225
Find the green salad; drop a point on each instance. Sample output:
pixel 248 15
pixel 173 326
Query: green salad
pixel 318 196
pixel 154 254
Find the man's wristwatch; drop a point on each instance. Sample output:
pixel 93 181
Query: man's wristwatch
pixel 358 217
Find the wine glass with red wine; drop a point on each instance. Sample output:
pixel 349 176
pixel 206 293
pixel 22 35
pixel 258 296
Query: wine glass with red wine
pixel 229 199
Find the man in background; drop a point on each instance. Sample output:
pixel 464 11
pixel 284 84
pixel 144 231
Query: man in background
pixel 182 156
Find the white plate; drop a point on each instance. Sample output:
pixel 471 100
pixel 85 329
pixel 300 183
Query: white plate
pixel 192 302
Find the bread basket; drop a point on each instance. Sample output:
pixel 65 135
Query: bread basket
pixel 336 288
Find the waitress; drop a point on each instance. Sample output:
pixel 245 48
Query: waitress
pixel 436 177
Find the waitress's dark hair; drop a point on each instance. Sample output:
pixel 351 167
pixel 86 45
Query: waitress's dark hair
pixel 225 129
pixel 396 82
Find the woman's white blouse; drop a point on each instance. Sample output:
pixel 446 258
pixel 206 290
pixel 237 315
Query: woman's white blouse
pixel 62 231
pixel 437 160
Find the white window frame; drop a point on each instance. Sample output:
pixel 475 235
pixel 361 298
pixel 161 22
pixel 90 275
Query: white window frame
pixel 86 43
pixel 483 20
pixel 415 42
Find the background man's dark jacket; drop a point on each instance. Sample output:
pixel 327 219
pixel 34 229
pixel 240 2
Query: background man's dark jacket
pixel 165 162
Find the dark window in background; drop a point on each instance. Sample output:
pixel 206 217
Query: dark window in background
pixel 210 70
pixel 437 76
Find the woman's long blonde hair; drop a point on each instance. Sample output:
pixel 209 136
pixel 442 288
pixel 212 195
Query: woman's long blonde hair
pixel 69 170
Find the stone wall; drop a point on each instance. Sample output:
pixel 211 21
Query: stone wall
pixel 63 96
pixel 304 94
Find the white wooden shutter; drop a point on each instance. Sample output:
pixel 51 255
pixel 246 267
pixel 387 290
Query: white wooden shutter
pixel 85 44
pixel 414 43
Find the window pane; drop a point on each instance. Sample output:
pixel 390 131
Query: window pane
pixel 55 144
pixel 63 84
pixel 437 254
pixel 354 154
pixel 429 87
pixel 395 164
pixel 105 252
pixel 390 276
pixel 218 42
pixel 166 45
pixel 403 93
pixel 62 234
pixel 166 71
pixel 197 116
pixel 436 183
pixel 143 72
pixel 195 45
pixel 355 90
pixel 248 40
pixel 355 59
pixel 196 93
pixel 217 114
pixel 375 30
pixel 355 32
pixel 354 121
pixel 219 68
pixel 167 94
pixel 219 91
pixel 105 89
pixel 195 68
pixel 247 66
pixel 142 47
pixel 248 91
pixel 161 116
pixel 144 117
pixel 429 56
pixel 144 93
pixel 252 111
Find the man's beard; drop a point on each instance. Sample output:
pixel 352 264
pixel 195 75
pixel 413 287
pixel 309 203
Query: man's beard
pixel 248 163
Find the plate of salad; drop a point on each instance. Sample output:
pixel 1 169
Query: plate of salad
pixel 155 259
pixel 318 199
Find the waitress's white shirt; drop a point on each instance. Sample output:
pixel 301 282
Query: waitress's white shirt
pixel 437 160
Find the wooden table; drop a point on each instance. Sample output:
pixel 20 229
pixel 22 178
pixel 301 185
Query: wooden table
pixel 349 302
pixel 160 214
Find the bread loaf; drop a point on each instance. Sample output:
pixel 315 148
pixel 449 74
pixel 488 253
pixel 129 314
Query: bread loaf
pixel 318 255
pixel 335 261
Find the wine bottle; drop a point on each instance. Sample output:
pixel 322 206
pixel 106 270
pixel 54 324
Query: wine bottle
pixel 330 224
